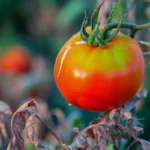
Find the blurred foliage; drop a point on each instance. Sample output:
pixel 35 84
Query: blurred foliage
pixel 43 26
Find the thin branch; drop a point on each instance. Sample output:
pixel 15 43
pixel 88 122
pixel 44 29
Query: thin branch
pixel 131 145
pixel 55 135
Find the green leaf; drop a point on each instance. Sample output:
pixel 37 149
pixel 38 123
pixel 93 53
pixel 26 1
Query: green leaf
pixel 83 34
pixel 145 43
pixel 112 14
pixel 94 19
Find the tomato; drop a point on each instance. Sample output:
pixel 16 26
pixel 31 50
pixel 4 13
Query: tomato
pixel 15 61
pixel 99 78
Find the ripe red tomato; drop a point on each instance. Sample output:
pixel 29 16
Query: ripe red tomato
pixel 96 78
pixel 15 61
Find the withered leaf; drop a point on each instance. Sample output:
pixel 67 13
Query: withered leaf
pixel 5 109
pixel 107 117
pixel 65 147
pixel 76 130
pixel 18 123
pixel 30 126
pixel 132 103
pixel 145 144
pixel 23 118
pixel 5 114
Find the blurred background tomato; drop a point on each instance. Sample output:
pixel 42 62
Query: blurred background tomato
pixel 15 61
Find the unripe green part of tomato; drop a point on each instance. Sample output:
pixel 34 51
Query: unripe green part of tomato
pixel 96 78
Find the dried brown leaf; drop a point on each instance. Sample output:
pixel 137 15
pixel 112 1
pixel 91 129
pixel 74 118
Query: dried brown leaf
pixel 132 103
pixel 30 126
pixel 80 141
pixel 23 118
pixel 137 130
pixel 97 133
pixel 5 133
pixel 76 130
pixel 65 147
pixel 106 118
pixel 102 138
pixel 18 123
pixel 5 109
pixel 145 144
pixel 127 116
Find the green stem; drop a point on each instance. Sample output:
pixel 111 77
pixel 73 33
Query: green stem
pixel 111 26
pixel 143 26
pixel 93 36
pixel 133 27
pixel 100 41
pixel 139 27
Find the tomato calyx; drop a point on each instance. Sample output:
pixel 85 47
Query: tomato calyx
pixel 99 37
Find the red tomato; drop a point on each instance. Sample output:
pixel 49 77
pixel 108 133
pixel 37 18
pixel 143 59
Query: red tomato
pixel 96 78
pixel 15 61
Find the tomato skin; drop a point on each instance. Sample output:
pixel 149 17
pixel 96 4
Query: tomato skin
pixel 99 79
pixel 15 61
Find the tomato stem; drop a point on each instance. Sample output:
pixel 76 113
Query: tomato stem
pixel 100 41
pixel 111 36
pixel 95 38
pixel 109 27
pixel 139 27
pixel 133 27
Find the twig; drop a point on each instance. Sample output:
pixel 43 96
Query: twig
pixel 55 135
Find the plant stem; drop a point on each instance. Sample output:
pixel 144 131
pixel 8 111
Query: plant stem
pixel 139 27
pixel 94 35
pixel 143 26
pixel 133 27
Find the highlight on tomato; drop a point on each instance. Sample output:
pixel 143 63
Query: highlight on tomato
pixel 15 61
pixel 99 69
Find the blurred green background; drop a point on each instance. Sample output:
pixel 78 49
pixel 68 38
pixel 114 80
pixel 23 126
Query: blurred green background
pixel 41 27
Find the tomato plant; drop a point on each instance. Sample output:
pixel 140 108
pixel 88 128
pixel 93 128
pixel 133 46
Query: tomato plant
pixel 99 70
pixel 15 61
